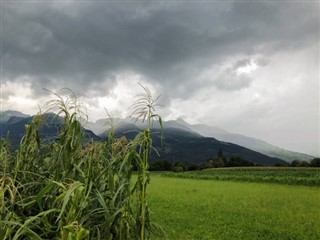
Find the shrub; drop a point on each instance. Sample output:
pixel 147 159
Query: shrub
pixel 177 169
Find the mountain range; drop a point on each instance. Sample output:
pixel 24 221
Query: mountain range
pixel 12 123
pixel 100 128
pixel 248 142
pixel 182 141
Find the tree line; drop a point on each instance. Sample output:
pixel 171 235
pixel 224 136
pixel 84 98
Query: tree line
pixel 219 162
pixel 213 162
pixel 313 163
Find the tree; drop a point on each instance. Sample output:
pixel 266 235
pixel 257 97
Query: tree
pixel 315 162
pixel 160 165
pixel 298 163
pixel 239 162
pixel 181 165
pixel 221 156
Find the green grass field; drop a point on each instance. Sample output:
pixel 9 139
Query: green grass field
pixel 210 209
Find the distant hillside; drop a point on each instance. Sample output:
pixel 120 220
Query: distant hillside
pixel 248 142
pixel 98 127
pixel 15 127
pixel 183 141
pixel 252 143
pixel 183 145
pixel 6 115
pixel 180 145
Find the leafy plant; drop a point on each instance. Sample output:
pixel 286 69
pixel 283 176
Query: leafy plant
pixel 71 189
pixel 144 108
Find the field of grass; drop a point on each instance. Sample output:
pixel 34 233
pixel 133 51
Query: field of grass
pixel 209 209
pixel 282 175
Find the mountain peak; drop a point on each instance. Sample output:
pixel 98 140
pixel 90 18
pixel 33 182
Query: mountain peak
pixel 6 115
pixel 182 121
pixel 14 113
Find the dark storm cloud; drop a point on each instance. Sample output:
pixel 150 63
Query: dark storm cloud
pixel 84 46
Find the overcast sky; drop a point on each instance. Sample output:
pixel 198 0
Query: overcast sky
pixel 248 67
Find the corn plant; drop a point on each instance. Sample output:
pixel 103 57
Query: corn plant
pixel 144 108
pixel 68 188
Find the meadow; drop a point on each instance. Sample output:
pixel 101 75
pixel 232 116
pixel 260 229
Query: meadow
pixel 209 209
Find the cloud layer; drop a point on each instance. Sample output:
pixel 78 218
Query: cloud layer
pixel 225 54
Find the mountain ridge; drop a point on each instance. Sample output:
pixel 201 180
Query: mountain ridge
pixel 100 128
pixel 242 140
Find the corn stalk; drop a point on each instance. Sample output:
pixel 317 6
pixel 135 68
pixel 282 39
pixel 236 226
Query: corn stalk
pixel 144 108
pixel 72 189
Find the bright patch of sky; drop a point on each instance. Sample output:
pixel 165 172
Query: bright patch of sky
pixel 247 68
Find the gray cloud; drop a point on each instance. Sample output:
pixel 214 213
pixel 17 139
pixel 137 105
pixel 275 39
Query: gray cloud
pixel 191 52
pixel 242 63
pixel 83 46
pixel 230 81
pixel 262 62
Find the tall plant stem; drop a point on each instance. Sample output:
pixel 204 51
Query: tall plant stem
pixel 144 108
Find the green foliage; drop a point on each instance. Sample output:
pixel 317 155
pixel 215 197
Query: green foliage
pixel 280 175
pixel 177 169
pixel 143 108
pixel 221 161
pixel 180 166
pixel 66 189
pixel 315 162
pixel 160 165
pixel 215 163
pixel 298 163
pixel 238 161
